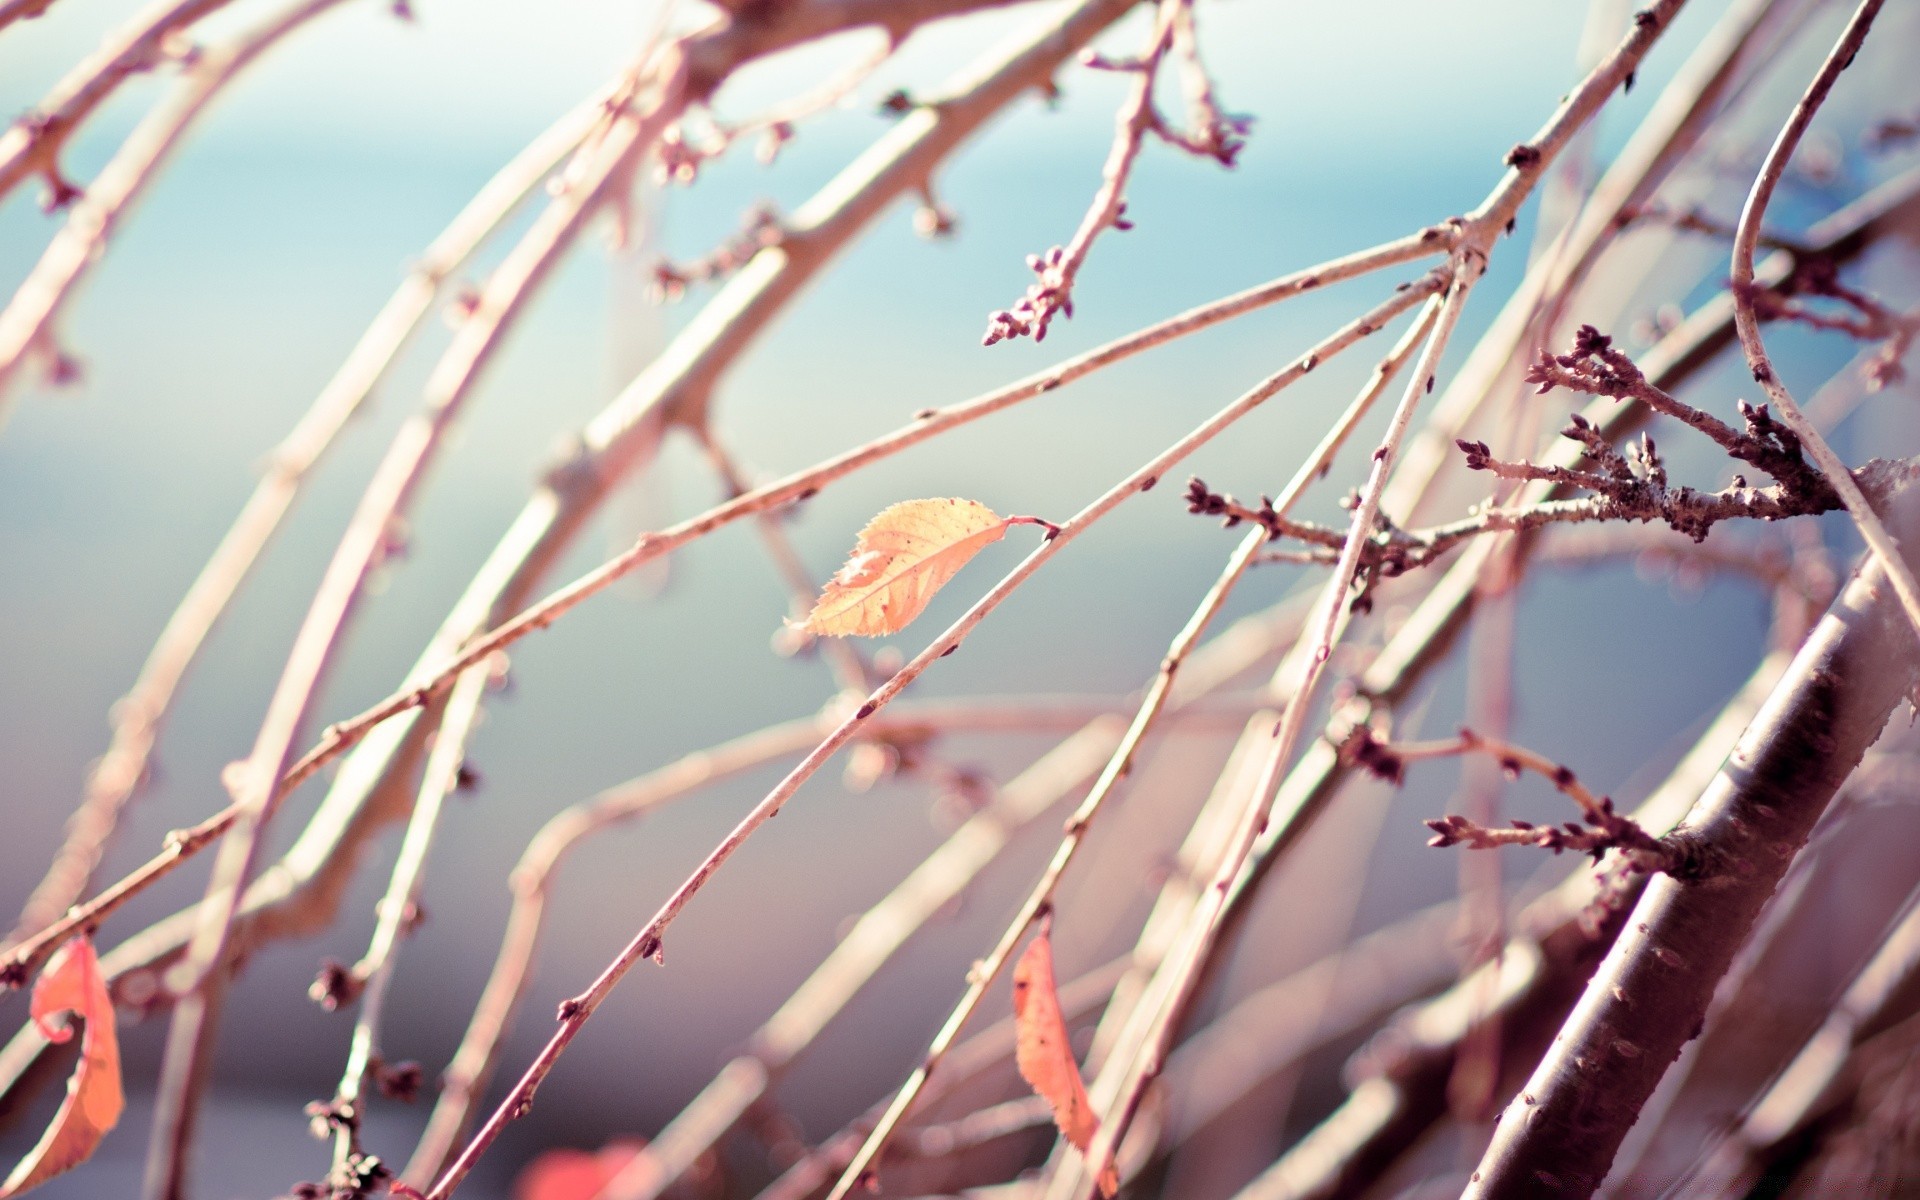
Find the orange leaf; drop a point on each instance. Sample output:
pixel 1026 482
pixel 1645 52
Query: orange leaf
pixel 1044 1053
pixel 72 982
pixel 575 1174
pixel 900 560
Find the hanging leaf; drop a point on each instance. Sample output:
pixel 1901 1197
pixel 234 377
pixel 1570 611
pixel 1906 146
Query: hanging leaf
pixel 900 560
pixel 1044 1053
pixel 72 983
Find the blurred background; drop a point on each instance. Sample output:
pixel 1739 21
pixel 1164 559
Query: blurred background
pixel 276 233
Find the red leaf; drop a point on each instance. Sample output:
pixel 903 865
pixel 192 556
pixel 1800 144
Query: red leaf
pixel 575 1174
pixel 72 983
pixel 1045 1054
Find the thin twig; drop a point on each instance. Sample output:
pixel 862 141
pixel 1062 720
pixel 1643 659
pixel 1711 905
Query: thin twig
pixel 1052 294
pixel 1747 320
pixel 1726 60
pixel 374 971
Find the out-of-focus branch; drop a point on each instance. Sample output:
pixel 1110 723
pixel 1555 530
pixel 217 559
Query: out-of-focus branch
pixel 1816 1081
pixel 21 10
pixel 257 785
pixel 849 666
pixel 26 324
pixel 137 718
pixel 34 143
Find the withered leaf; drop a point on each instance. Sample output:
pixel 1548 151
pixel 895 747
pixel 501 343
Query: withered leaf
pixel 899 561
pixel 1044 1053
pixel 72 983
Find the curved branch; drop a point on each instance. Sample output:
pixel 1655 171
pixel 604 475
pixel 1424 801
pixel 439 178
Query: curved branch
pixel 1747 319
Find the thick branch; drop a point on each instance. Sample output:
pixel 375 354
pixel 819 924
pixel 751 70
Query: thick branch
pixel 1648 998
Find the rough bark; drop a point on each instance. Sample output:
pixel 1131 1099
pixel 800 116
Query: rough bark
pixel 1558 1137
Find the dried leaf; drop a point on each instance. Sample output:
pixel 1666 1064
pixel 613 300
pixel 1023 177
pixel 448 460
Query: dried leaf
pixel 900 560
pixel 1045 1054
pixel 72 983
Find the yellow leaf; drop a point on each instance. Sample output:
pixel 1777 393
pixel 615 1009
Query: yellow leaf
pixel 900 560
pixel 72 982
pixel 1044 1054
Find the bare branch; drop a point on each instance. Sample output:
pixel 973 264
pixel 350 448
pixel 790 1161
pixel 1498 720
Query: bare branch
pixel 1399 1082
pixel 1648 998
pixel 137 718
pixel 1747 321
pixel 34 143
pixel 27 321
